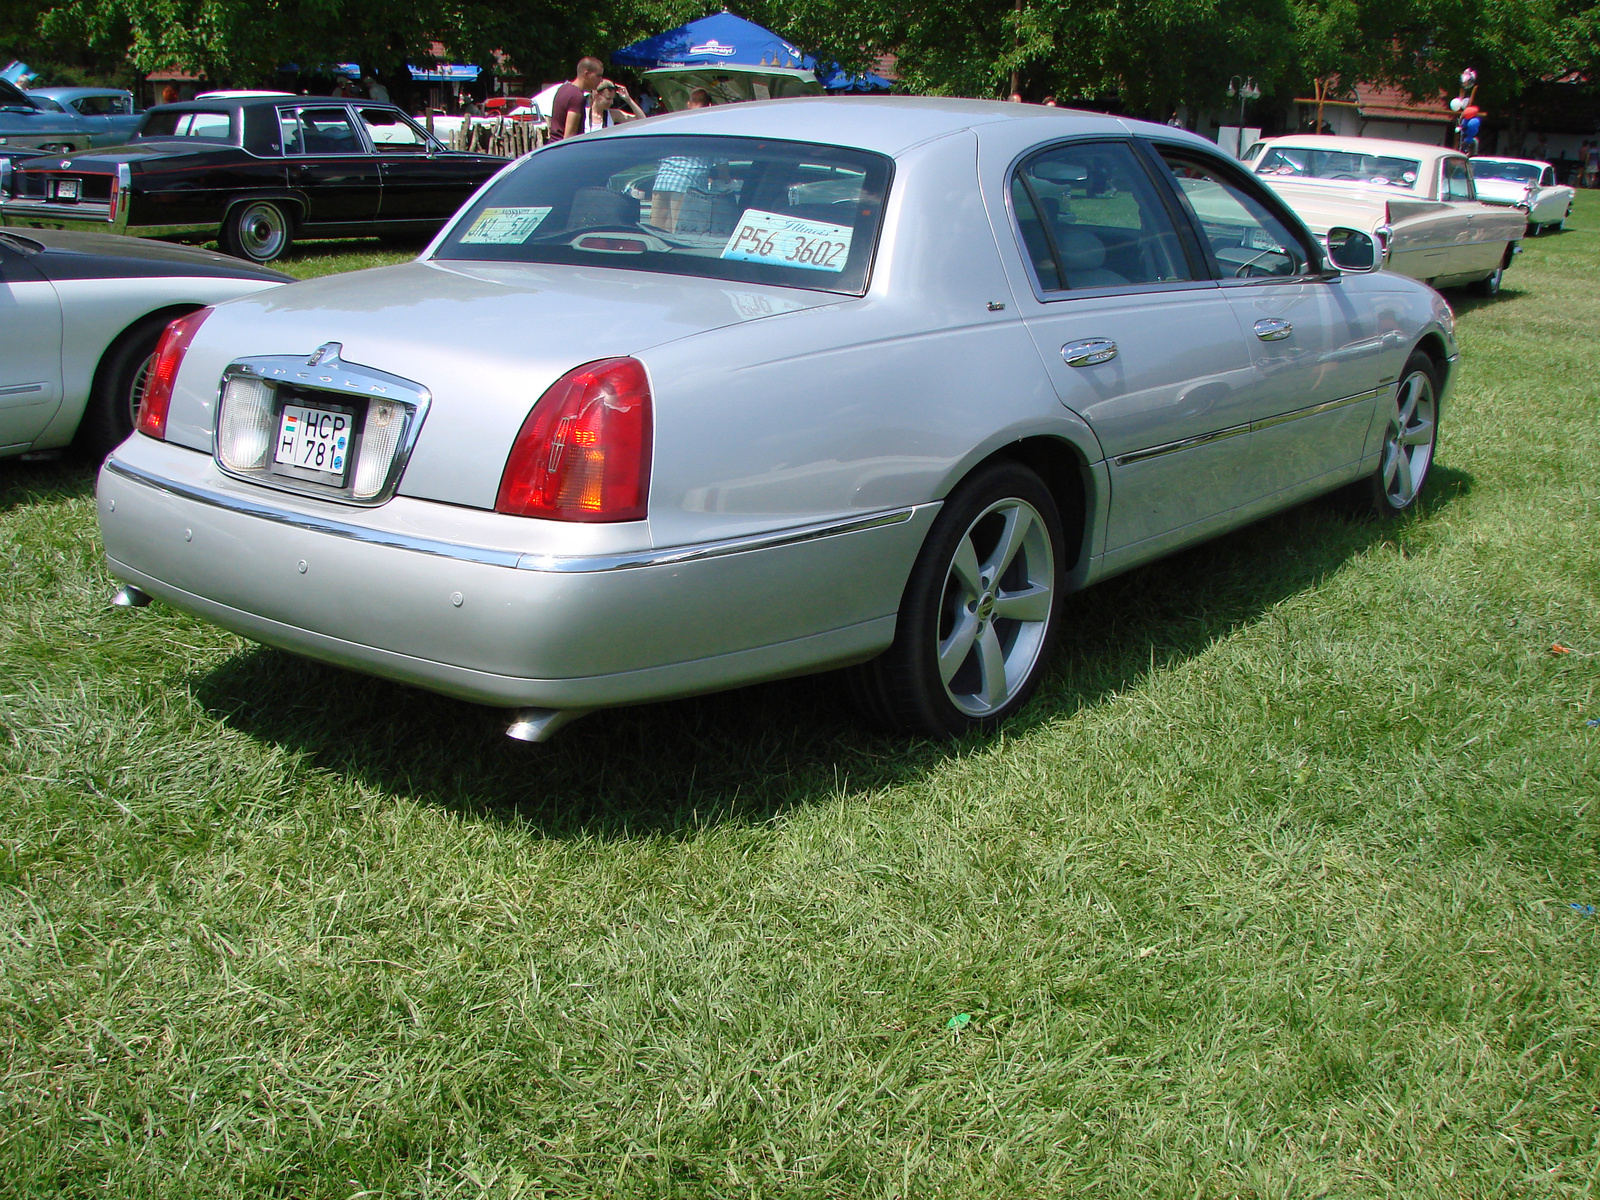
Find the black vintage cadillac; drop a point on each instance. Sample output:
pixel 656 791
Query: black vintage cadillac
pixel 253 172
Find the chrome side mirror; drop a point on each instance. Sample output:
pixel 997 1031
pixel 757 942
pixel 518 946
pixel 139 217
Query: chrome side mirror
pixel 1351 250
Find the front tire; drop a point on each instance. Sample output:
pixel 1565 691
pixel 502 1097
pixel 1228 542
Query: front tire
pixel 979 613
pixel 119 386
pixel 1409 442
pixel 257 231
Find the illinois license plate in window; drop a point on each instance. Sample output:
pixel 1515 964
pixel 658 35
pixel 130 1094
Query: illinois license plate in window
pixel 313 443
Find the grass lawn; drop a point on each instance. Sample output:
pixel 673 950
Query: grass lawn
pixel 1279 889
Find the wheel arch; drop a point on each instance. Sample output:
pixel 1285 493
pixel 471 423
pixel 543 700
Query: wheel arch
pixel 165 314
pixel 1433 345
pixel 1066 472
pixel 294 207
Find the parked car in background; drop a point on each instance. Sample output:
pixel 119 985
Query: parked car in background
pixel 29 125
pixel 15 154
pixel 82 314
pixel 255 173
pixel 107 114
pixel 760 389
pixel 1417 201
pixel 1527 184
pixel 517 108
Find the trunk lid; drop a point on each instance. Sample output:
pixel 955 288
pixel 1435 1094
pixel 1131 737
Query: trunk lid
pixel 484 339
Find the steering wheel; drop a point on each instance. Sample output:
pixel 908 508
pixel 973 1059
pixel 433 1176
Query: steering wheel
pixel 1356 178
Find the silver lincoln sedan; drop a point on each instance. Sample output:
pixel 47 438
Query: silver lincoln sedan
pixel 768 389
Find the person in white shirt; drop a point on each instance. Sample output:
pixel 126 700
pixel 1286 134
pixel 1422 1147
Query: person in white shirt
pixel 603 111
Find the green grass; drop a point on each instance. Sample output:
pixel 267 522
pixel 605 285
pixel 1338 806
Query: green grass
pixel 307 260
pixel 1269 894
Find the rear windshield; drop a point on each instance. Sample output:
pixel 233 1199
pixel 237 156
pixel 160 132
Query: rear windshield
pixel 745 209
pixel 1483 168
pixel 212 126
pixel 1303 163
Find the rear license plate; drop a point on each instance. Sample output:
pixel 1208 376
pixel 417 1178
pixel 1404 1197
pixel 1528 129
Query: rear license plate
pixel 313 442
pixel 66 189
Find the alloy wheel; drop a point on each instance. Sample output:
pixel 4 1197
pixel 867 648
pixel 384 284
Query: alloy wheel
pixel 1409 441
pixel 994 611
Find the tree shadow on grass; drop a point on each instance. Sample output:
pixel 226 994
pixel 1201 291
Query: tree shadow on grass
pixel 746 755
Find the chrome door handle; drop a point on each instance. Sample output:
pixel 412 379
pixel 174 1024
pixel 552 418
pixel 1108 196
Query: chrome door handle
pixel 1089 353
pixel 1273 329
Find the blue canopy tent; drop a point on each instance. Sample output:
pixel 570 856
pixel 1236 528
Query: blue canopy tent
pixel 842 81
pixel 724 39
pixel 718 40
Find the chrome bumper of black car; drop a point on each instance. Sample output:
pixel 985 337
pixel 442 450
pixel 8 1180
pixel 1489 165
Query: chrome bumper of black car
pixel 84 216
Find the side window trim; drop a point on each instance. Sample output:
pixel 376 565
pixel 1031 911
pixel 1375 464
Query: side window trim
pixel 352 122
pixel 1315 264
pixel 1044 226
pixel 1200 274
pixel 1195 246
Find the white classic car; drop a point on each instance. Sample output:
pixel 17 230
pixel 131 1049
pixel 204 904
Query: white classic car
pixel 1528 184
pixel 1417 201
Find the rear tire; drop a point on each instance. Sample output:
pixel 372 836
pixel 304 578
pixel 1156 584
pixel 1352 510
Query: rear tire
pixel 979 614
pixel 1490 286
pixel 118 386
pixel 257 231
pixel 1409 441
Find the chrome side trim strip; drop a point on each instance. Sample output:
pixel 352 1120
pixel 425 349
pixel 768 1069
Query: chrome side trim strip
pixel 676 555
pixel 21 389
pixel 1203 439
pixel 1316 409
pixel 1123 460
pixel 549 563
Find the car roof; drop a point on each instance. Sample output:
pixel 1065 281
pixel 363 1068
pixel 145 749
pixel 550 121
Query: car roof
pixel 1363 145
pixel 77 93
pixel 259 101
pixel 885 124
pixel 1526 162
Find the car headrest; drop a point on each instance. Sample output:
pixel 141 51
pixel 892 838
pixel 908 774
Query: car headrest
pixel 1080 249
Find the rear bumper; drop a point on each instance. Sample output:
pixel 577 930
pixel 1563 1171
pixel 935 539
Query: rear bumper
pixel 87 216
pixel 498 625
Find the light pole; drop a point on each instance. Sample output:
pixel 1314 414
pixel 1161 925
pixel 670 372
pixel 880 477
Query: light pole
pixel 1245 90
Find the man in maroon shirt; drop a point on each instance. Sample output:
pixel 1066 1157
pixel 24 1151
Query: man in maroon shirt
pixel 566 110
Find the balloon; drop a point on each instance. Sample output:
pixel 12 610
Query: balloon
pixel 1471 128
pixel 1469 77
pixel 1470 111
pixel 1458 104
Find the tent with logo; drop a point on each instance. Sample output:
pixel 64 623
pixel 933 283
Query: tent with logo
pixel 719 40
pixel 726 40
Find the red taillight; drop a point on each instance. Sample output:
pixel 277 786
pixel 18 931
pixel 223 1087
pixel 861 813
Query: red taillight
pixel 583 453
pixel 163 372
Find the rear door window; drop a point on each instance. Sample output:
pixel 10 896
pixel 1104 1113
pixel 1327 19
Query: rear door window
pixel 748 209
pixel 1089 216
pixel 1457 180
pixel 320 131
pixel 210 126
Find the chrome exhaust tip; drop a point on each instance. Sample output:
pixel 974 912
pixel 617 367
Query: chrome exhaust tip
pixel 540 724
pixel 128 596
